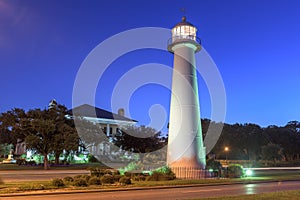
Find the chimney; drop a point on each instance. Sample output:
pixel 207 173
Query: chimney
pixel 121 112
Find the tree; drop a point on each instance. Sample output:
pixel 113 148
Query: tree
pixel 271 152
pixel 287 137
pixel 90 134
pixel 140 140
pixel 44 131
pixel 9 125
pixel 5 149
pixel 65 135
pixel 41 137
pixel 6 137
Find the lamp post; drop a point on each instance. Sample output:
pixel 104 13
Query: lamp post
pixel 226 152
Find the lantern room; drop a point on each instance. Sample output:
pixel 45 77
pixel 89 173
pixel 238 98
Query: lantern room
pixel 184 32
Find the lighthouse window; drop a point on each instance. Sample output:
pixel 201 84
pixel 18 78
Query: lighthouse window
pixel 184 32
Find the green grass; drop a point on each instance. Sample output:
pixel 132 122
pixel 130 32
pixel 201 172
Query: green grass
pixel 284 195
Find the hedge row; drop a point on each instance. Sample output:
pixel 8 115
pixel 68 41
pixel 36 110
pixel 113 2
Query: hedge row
pixel 86 180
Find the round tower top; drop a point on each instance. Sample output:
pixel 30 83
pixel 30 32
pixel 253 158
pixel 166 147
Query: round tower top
pixel 184 33
pixel 184 22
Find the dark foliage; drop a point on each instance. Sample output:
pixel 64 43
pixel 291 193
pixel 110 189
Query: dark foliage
pixel 57 182
pixel 107 179
pixel 81 182
pixel 94 181
pixel 125 180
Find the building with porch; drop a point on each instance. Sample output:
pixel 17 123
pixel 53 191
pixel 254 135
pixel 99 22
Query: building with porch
pixel 110 123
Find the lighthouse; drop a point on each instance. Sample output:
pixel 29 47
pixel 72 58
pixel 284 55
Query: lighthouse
pixel 186 153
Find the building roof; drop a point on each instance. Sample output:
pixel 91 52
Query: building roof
pixel 183 23
pixel 86 110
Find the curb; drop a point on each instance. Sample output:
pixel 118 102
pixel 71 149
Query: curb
pixel 134 188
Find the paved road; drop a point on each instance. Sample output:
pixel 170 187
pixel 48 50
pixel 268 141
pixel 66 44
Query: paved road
pixel 173 193
pixel 37 175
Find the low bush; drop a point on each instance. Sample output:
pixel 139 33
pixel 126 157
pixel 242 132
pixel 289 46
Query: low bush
pixel 82 176
pixel 31 162
pixel 57 182
pixel 125 180
pixel 31 186
pixel 140 177
pixel 108 171
pixel 68 179
pixel 94 171
pixel 21 161
pixel 158 176
pixel 80 182
pixel 94 181
pixel 235 171
pixel 86 177
pixel 77 177
pixel 128 174
pixel 107 179
pixel 117 177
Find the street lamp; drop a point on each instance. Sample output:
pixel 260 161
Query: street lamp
pixel 226 149
pixel 226 152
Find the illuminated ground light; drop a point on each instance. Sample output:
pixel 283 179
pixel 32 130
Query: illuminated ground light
pixel 249 172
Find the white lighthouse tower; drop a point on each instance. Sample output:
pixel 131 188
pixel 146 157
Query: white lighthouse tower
pixel 186 153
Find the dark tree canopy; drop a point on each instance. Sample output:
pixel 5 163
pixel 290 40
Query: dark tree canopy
pixel 248 141
pixel 44 131
pixel 139 139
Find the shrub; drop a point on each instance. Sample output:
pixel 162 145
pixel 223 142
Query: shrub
pixel 68 179
pixel 213 164
pixel 164 170
pixel 82 176
pixel 116 172
pixel 117 177
pixel 77 177
pixel 80 182
pixel 125 180
pixel 31 186
pixel 86 177
pixel 97 171
pixel 128 174
pixel 108 171
pixel 94 181
pixel 21 161
pixel 107 179
pixel 31 162
pixel 57 182
pixel 158 176
pixel 140 178
pixel 235 171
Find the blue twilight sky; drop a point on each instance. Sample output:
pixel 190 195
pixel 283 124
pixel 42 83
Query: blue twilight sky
pixel 254 43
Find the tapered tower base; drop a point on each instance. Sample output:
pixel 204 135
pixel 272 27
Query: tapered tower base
pixel 186 153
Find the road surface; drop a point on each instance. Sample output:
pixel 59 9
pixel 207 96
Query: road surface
pixel 173 193
pixel 37 175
